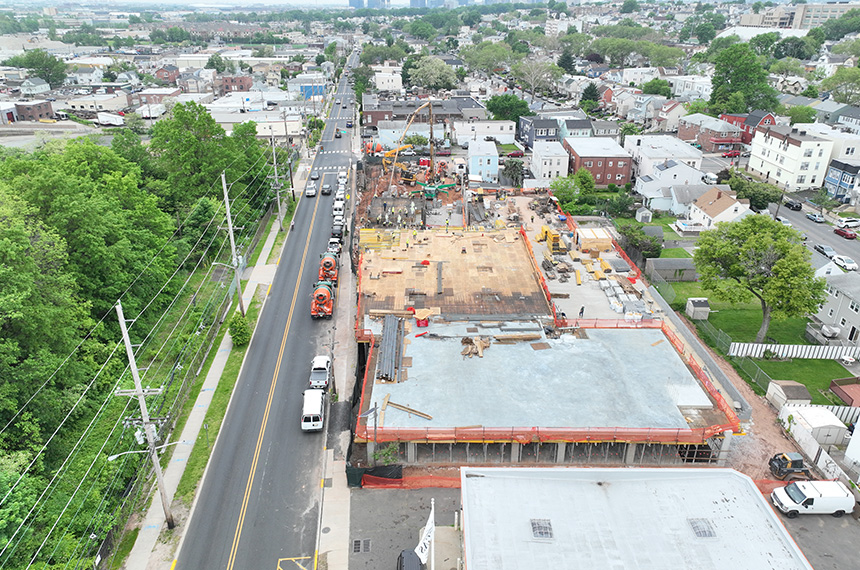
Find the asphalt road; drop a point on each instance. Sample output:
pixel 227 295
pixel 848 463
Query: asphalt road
pixel 818 233
pixel 259 502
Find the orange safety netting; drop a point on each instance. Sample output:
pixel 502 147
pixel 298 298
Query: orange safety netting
pixel 539 273
pixel 422 482
pixel 766 486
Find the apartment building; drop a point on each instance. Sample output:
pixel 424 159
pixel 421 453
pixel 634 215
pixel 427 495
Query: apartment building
pixel 790 157
pixel 602 156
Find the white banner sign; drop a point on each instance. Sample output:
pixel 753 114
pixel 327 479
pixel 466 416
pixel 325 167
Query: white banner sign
pixel 423 548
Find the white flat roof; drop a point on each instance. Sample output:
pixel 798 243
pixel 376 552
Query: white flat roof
pixel 664 146
pixel 596 146
pixel 571 518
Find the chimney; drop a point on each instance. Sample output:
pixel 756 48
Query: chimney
pixel 719 194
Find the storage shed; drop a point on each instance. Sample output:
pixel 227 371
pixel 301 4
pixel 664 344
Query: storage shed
pixel 593 239
pixel 643 215
pixel 825 427
pixel 782 392
pixel 698 308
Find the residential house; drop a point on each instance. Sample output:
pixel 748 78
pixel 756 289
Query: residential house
pixel 385 81
pixel 693 86
pixel 168 74
pixel 669 115
pixel 444 111
pixel 13 73
pixel 575 128
pixel 155 95
pixel 483 161
pixel 602 156
pixel 307 85
pixel 549 160
pixel 34 86
pixel 534 129
pixel 605 129
pixel 624 101
pixel 846 145
pixel 650 150
pixel 84 76
pixel 8 113
pixel 790 84
pixel 829 63
pixel 129 77
pixel 655 187
pixel 712 134
pixel 789 101
pixel 841 307
pixel 388 133
pixel 790 157
pixel 192 83
pixel 646 109
pixel 841 180
pixel 468 131
pixel 633 75
pixel 749 122
pixel 828 112
pixel 715 206
pixel 849 119
pixel 683 196
pixel 34 110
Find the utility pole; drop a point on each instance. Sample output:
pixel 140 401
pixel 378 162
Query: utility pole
pixel 148 425
pixel 235 258
pixel 276 185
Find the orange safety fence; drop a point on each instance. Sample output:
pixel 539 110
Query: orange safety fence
pixel 526 435
pixel 543 284
pixel 608 324
pixel 422 482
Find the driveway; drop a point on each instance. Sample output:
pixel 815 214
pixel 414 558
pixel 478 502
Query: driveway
pixel 828 543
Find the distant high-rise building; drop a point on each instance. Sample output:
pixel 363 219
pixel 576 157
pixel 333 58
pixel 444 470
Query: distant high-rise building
pixel 378 4
pixel 417 3
pixel 356 4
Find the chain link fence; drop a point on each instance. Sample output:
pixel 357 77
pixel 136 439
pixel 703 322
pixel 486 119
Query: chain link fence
pixel 664 287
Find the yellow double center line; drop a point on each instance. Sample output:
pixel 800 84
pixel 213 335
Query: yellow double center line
pixel 249 485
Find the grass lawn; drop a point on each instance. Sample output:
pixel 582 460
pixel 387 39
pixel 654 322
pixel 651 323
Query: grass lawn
pixel 506 148
pixel 664 221
pixel 675 253
pixel 814 374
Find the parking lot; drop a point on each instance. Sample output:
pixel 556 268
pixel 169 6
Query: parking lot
pixel 828 542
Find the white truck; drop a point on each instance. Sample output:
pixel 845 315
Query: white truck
pixel 109 119
pixel 813 497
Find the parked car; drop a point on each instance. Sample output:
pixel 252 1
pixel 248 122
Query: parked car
pixel 490 138
pixel 845 262
pixel 824 250
pixel 815 217
pixel 443 152
pixel 515 154
pixel 848 222
pixel 845 232
pixel 409 152
pixel 334 245
pixel 320 372
pixel 793 204
pixel 731 153
pixel 783 221
pixel 465 145
pixel 746 154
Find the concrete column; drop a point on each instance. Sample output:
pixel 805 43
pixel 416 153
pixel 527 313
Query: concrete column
pixel 723 454
pixel 559 452
pixel 411 452
pixel 630 456
pixel 371 449
pixel 516 450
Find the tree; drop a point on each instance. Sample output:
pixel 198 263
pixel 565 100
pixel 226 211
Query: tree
pixel 566 62
pixel 705 32
pixel 416 140
pixel 508 107
pixel 577 43
pixel 844 85
pixel 629 7
pixel 757 6
pixel 787 66
pixel 537 74
pixel 792 47
pixel 634 237
pixel 758 257
pixel 760 194
pixel 565 190
pixel 42 64
pixel 263 51
pixel 850 47
pixel 697 106
pixel 433 73
pixel 763 44
pixel 810 91
pixel 801 114
pixel 488 56
pixel 515 171
pixel 588 105
pixel 584 181
pixel 658 87
pixel 737 70
pixel 626 129
pixel 616 49
pixel 319 59
pixel 590 93
pixel 423 30
pixel 217 63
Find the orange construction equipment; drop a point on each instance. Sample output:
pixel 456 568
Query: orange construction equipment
pixel 328 267
pixel 372 147
pixel 322 303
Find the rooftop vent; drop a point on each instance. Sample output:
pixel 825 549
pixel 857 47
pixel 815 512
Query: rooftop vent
pixel 702 528
pixel 542 528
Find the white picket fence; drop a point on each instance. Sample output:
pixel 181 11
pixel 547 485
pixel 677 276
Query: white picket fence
pixel 811 351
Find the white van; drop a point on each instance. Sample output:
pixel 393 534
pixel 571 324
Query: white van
pixel 313 410
pixel 709 178
pixel 342 177
pixel 813 497
pixel 337 208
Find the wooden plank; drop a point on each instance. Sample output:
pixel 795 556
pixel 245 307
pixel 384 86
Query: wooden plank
pixel 517 337
pixel 411 411
pixel 578 277
pixel 382 411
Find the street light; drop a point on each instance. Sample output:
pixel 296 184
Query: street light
pixel 114 457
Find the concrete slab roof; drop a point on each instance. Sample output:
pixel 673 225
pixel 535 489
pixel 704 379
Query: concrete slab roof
pixel 624 378
pixel 640 519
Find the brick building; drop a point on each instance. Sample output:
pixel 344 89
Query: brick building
pixel 168 74
pixel 229 83
pixel 715 135
pixel 749 122
pixel 34 110
pixel 603 157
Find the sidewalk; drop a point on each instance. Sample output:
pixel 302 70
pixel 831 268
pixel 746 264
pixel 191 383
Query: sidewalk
pixel 148 553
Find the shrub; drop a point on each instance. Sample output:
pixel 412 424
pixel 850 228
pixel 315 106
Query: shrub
pixel 612 188
pixel 240 331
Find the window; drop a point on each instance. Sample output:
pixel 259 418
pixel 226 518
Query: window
pixel 782 160
pixel 812 181
pixel 842 322
pixel 597 176
pixel 854 306
pixel 801 179
pixel 599 163
pixel 803 165
pixel 830 313
pixel 807 153
pixel 588 164
pixel 610 163
pixel 621 164
pixel 849 151
pixel 820 152
pixel 619 177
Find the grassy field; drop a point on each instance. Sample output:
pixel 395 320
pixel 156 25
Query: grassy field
pixel 664 221
pixel 814 374
pixel 506 148
pixel 675 253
